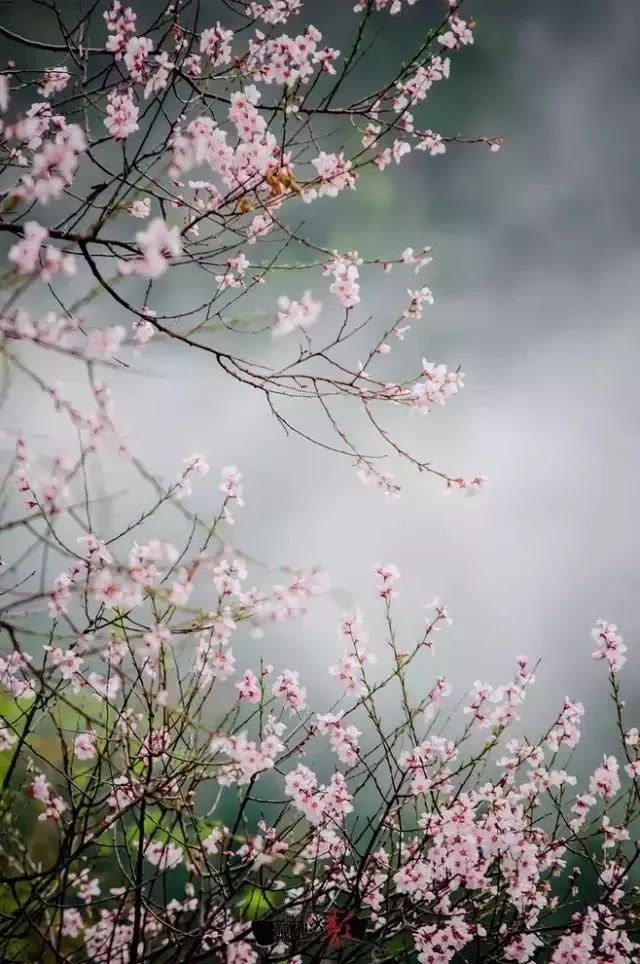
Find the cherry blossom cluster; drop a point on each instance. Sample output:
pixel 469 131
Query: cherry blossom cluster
pixel 478 848
pixel 139 721
pixel 248 172
pixel 29 258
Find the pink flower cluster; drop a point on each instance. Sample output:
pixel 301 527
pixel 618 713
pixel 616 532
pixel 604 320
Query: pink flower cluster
pixel 296 314
pixel 40 790
pixel 610 645
pixel 320 804
pixel 138 685
pixel 28 258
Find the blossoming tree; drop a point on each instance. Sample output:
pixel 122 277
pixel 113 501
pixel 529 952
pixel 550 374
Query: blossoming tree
pixel 166 144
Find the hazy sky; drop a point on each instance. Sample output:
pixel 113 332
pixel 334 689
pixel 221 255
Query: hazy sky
pixel 536 280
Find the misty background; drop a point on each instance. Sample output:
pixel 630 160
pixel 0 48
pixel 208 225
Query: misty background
pixel 536 278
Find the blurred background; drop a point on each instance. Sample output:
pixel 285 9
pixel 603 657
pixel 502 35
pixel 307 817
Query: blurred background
pixel 536 277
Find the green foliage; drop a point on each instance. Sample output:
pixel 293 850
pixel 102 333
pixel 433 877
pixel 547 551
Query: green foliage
pixel 13 712
pixel 255 902
pixel 13 709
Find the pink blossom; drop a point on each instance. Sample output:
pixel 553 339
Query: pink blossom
pixel 104 343
pixel 192 65
pixel 67 661
pixel 87 887
pixel 247 759
pixel 231 485
pixel 94 548
pixel 334 173
pixel 211 843
pixel 122 114
pixel 119 22
pixel 153 643
pixel 136 54
pixel 632 737
pixel 159 75
pixel 72 923
pixel 275 11
pixel 238 265
pixel 348 671
pixel 432 143
pixel 610 645
pixel 345 274
pixel 140 208
pixel 60 595
pixel 25 255
pixel 111 588
pixel 522 949
pixel 573 949
pixel 143 332
pixel 84 746
pixel 40 790
pixel 248 688
pixel 54 80
pixel 296 314
pixel 288 687
pixel 215 44
pixel 163 855
pixel 7 738
pixel 459 34
pixel 159 244
pixel 180 589
pixel 605 780
pixel 196 463
pixel 53 165
pixel 387 578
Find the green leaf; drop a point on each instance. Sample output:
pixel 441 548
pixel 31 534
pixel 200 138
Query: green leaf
pixel 397 944
pixel 13 710
pixel 11 204
pixel 255 902
pixel 8 901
